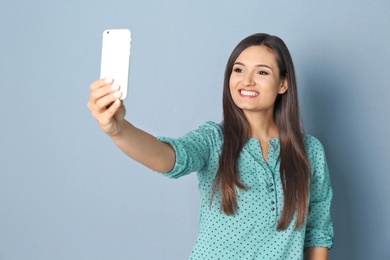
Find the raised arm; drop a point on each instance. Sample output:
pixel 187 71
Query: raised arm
pixel 109 112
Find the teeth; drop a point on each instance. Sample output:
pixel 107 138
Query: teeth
pixel 249 93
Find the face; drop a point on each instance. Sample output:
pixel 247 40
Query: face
pixel 255 82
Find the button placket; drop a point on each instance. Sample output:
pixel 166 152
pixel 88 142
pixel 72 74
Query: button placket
pixel 269 177
pixel 272 203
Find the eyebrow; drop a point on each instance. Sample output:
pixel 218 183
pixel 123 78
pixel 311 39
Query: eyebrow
pixel 258 65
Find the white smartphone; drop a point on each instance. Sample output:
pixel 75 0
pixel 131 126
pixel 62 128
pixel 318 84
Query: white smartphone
pixel 116 57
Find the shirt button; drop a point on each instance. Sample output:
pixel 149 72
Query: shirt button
pixel 272 209
pixel 271 190
pixel 272 202
pixel 271 184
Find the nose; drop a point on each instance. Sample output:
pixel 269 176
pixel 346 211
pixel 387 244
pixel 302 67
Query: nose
pixel 248 80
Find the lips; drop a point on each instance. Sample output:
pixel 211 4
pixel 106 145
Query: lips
pixel 248 93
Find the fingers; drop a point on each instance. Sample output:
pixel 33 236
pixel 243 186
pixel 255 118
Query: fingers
pixel 105 97
pixel 102 94
pixel 100 83
pixel 101 88
pixel 106 116
pixel 103 102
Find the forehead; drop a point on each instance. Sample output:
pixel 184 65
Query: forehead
pixel 257 54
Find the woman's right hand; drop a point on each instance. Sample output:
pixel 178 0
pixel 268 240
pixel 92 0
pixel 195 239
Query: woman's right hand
pixel 108 110
pixel 106 106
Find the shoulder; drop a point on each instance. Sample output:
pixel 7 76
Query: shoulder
pixel 211 129
pixel 317 159
pixel 206 131
pixel 211 126
pixel 207 134
pixel 314 149
pixel 312 144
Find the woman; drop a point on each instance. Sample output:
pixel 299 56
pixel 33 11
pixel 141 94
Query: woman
pixel 265 189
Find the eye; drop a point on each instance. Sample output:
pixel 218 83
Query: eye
pixel 262 72
pixel 238 70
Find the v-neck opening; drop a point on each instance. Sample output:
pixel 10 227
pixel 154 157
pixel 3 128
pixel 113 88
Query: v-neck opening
pixel 270 143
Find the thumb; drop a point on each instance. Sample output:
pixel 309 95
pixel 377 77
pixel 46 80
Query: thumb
pixel 120 112
pixel 113 108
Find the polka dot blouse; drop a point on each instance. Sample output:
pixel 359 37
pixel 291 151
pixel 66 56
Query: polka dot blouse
pixel 251 233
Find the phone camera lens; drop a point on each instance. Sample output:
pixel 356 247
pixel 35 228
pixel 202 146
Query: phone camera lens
pixel 108 32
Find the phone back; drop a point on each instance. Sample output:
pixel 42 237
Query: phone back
pixel 115 61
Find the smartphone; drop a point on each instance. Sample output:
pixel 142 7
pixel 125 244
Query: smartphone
pixel 115 61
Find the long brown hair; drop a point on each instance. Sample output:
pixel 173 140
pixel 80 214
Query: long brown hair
pixel 294 165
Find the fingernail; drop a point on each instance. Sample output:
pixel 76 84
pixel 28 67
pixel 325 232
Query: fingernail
pixel 115 87
pixel 108 80
pixel 118 94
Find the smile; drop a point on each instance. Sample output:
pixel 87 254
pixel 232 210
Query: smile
pixel 249 93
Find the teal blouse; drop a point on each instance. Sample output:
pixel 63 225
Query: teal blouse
pixel 251 233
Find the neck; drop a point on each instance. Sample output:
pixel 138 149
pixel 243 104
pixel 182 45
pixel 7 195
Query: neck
pixel 262 126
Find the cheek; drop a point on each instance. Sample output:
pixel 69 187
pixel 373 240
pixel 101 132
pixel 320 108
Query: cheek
pixel 232 91
pixel 233 82
pixel 230 82
pixel 231 85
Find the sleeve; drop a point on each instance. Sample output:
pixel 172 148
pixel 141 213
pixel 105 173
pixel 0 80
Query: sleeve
pixel 319 226
pixel 192 151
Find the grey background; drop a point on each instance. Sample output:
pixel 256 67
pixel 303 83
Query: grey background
pixel 66 192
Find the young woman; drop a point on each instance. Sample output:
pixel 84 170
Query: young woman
pixel 264 184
